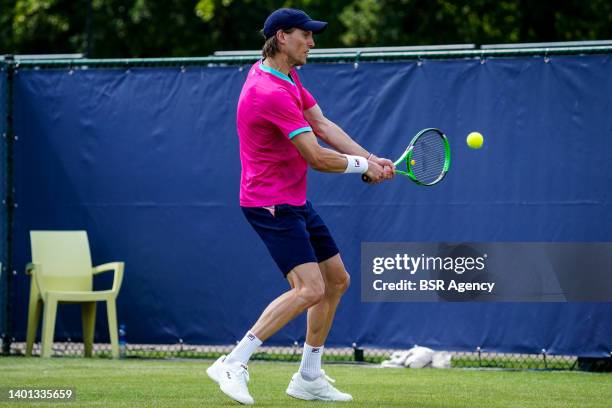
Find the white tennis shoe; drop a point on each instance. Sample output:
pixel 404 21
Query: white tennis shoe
pixel 232 379
pixel 214 370
pixel 319 389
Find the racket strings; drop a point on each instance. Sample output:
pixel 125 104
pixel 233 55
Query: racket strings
pixel 429 158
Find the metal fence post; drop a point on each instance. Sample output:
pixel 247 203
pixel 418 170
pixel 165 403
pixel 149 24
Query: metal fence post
pixel 357 353
pixel 7 202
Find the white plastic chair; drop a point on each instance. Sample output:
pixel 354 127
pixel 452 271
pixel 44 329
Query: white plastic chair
pixel 61 271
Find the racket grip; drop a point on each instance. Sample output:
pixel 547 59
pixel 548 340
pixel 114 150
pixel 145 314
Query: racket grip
pixel 365 178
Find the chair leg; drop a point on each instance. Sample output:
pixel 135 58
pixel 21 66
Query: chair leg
pixel 33 322
pixel 111 311
pixel 88 312
pixel 48 326
pixel 34 309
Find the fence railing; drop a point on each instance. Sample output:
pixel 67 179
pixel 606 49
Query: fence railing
pixel 476 359
pixel 330 55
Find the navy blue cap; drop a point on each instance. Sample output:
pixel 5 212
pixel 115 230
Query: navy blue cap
pixel 286 18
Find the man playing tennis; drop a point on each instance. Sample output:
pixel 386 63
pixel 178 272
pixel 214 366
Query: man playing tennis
pixel 277 121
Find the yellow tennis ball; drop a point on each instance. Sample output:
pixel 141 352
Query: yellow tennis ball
pixel 475 140
pixel 412 162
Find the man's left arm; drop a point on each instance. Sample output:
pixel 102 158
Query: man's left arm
pixel 337 138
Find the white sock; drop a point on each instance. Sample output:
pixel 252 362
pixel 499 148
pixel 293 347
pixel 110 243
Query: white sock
pixel 243 351
pixel 310 367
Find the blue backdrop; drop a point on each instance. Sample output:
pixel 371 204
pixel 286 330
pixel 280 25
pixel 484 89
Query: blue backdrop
pixel 146 161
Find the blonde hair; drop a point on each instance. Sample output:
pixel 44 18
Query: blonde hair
pixel 271 46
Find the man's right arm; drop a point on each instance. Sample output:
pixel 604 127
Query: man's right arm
pixel 327 160
pixel 336 137
pixel 283 111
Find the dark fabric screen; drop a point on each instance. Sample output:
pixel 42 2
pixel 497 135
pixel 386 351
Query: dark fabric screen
pixel 146 161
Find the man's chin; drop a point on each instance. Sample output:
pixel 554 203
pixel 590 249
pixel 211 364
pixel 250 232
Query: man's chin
pixel 299 62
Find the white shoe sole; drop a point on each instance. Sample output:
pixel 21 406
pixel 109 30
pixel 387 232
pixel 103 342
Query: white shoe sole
pixel 306 396
pixel 241 400
pixel 302 396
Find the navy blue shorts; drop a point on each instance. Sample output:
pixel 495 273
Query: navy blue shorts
pixel 294 235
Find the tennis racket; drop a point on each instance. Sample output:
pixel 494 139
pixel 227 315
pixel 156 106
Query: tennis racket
pixel 427 158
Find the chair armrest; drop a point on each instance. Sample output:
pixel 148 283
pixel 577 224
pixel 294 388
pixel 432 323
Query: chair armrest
pixel 112 266
pixel 33 270
pixel 30 267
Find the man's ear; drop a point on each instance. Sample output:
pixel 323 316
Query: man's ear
pixel 280 36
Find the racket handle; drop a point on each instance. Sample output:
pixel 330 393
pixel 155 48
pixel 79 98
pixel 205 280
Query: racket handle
pixel 365 178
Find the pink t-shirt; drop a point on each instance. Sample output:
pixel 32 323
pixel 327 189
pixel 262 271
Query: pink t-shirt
pixel 270 114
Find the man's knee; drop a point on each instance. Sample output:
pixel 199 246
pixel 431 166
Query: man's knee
pixel 338 283
pixel 311 294
pixel 337 279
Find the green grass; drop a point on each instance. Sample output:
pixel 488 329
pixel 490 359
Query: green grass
pixel 183 383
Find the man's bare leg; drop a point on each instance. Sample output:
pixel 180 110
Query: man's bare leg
pixel 307 289
pixel 321 315
pixel 308 383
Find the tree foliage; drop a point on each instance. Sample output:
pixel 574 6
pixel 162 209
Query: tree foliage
pixel 153 28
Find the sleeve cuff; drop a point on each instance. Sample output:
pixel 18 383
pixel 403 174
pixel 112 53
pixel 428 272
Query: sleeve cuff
pixel 298 131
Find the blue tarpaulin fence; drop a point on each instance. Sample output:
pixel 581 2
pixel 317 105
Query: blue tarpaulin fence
pixel 146 160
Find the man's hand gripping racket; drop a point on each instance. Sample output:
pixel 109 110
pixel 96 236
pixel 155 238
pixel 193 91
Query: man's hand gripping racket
pixel 426 159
